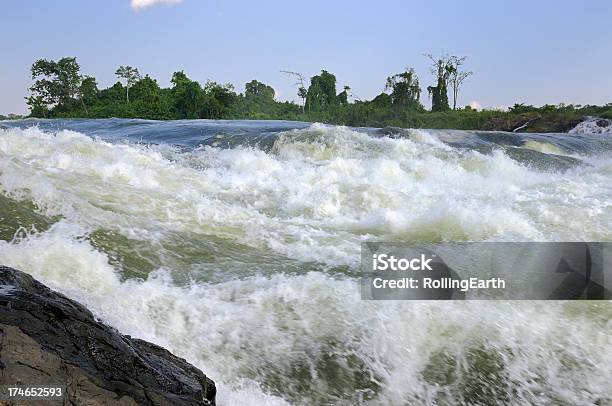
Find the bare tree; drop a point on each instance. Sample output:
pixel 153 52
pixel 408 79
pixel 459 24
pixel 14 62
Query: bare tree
pixel 457 76
pixel 300 83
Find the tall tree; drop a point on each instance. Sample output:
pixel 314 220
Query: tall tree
pixel 218 100
pixel 405 89
pixel 457 76
pixel 131 76
pixel 56 84
pixel 146 90
pixel 113 94
pixel 321 92
pixel 38 106
pixel 343 95
pixel 188 96
pixel 442 69
pixel 259 91
pixel 88 91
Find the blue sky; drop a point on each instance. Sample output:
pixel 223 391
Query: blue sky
pixel 520 51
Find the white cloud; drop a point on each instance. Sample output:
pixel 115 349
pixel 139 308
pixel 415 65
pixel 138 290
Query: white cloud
pixel 141 4
pixel 475 105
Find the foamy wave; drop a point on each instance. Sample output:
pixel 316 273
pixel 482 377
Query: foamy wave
pixel 309 339
pixel 593 125
pixel 280 334
pixel 314 196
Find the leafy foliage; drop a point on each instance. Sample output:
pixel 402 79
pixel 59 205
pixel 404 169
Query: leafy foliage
pixel 441 67
pixel 321 93
pixel 131 76
pixel 56 85
pixel 405 89
pixel 59 90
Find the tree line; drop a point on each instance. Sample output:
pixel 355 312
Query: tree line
pixel 59 89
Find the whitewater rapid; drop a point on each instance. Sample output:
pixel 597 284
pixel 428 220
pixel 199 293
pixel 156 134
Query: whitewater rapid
pixel 242 257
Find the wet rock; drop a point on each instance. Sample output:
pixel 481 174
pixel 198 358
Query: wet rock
pixel 48 339
pixel 593 125
pixel 393 132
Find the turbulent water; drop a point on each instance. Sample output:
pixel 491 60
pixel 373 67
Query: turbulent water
pixel 593 125
pixel 236 246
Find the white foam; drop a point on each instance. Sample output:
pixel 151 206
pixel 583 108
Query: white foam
pixel 319 186
pixel 247 332
pixel 591 126
pixel 315 196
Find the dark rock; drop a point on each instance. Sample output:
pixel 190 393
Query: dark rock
pixel 48 339
pixel 393 132
pixel 602 122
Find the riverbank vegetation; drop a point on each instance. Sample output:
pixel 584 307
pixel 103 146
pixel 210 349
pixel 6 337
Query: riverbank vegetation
pixel 60 90
pixel 11 117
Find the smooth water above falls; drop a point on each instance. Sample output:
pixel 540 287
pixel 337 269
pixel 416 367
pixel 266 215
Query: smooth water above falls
pixel 235 244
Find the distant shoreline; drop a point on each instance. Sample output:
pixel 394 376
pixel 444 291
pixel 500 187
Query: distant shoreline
pixel 60 90
pixel 487 120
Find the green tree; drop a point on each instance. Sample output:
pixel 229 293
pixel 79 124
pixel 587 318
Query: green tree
pixel 343 96
pixel 69 79
pixel 258 91
pixel 131 76
pixel 88 91
pixel 112 94
pixel 520 108
pixel 218 100
pixel 321 92
pixel 382 101
pixel 302 94
pixel 39 106
pixel 442 68
pixel 258 101
pixel 148 100
pixel 405 89
pixel 56 85
pixel 187 95
pixel 146 90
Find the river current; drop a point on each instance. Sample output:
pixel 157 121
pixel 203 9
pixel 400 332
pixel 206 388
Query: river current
pixel 236 245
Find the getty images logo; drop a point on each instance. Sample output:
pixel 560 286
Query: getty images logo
pixel 384 262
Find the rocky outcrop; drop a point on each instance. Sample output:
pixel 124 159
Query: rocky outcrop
pixel 392 132
pixel 593 125
pixel 48 339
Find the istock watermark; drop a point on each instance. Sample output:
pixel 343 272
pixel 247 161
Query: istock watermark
pixel 384 262
pixel 487 270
